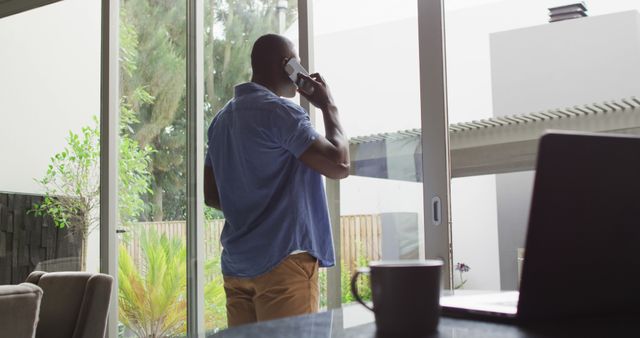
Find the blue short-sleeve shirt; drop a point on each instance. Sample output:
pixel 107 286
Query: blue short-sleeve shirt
pixel 273 204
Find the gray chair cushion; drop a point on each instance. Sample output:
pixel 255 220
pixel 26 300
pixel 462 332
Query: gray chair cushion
pixel 19 309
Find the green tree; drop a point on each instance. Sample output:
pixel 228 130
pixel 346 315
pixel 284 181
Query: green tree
pixel 228 49
pixel 155 61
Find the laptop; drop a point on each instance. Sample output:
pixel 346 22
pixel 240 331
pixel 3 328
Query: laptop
pixel 582 252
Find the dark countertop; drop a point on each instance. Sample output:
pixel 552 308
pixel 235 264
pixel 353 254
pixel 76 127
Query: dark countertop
pixel 355 321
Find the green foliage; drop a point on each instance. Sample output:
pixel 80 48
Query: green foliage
pixel 215 310
pixel 363 284
pixel 239 23
pixel 71 183
pixel 215 314
pixel 322 287
pixel 128 46
pixel 153 57
pixel 152 295
pixel 151 298
pixel 133 164
pixel 72 180
pixel 212 213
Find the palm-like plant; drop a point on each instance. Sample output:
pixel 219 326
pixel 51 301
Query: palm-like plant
pixel 152 297
pixel 215 311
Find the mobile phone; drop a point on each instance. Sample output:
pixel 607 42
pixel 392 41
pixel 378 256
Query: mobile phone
pixel 293 68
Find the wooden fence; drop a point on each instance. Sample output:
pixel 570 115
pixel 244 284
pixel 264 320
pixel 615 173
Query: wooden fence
pixel 360 235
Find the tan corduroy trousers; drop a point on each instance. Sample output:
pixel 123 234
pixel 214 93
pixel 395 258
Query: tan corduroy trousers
pixel 290 289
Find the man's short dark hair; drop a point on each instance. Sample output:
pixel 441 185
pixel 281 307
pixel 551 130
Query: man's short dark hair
pixel 268 52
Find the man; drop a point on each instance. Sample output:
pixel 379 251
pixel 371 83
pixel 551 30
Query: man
pixel 263 170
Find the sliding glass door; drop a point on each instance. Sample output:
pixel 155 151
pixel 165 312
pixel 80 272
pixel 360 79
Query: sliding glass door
pixel 370 61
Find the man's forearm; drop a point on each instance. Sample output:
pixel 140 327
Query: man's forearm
pixel 335 134
pixel 211 195
pixel 330 154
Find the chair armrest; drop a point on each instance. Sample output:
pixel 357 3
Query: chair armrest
pixel 19 309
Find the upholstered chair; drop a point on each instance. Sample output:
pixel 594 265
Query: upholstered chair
pixel 74 304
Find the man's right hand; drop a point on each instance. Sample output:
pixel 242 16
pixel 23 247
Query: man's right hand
pixel 321 95
pixel 327 155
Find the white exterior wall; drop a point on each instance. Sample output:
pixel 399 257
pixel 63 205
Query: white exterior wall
pixel 566 63
pixel 555 65
pixel 373 76
pixel 49 85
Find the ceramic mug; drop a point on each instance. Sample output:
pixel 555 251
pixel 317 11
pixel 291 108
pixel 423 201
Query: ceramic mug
pixel 406 296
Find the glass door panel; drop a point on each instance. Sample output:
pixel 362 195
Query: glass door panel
pixel 513 71
pixel 370 61
pixel 152 161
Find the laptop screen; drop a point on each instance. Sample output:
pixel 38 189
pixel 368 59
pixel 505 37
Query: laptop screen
pixel 583 242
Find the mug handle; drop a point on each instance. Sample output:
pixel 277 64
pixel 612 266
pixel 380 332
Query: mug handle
pixel 354 286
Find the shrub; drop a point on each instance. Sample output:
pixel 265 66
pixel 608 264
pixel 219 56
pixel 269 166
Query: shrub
pixel 152 295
